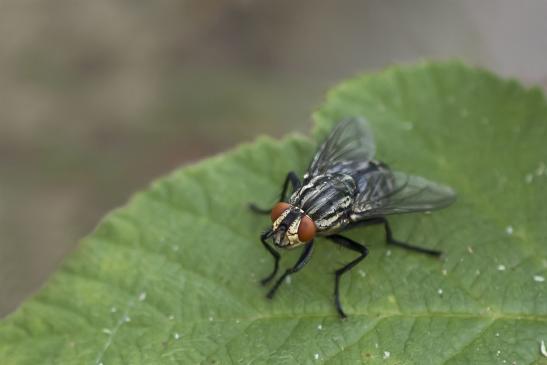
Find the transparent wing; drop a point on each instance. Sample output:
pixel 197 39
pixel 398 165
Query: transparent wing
pixel 350 141
pixel 389 192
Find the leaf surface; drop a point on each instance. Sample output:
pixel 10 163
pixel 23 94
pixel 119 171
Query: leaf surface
pixel 172 277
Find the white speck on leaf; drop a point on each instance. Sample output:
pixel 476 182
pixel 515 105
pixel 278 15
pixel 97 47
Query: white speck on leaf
pixel 142 296
pixel 171 317
pixel 498 353
pixel 445 272
pixel 288 280
pixel 477 272
pixel 176 335
pixel 113 310
pixel 319 327
pixel 362 273
pixel 509 230
pixel 470 249
pixel 107 331
pixel 501 267
pixel 497 334
pixel 376 345
pixel 539 278
pixel 387 354
pixel 542 169
pixel 388 253
pixel 408 126
pixel 316 356
pixel 210 319
pixel 543 349
pixel 123 319
pixel 440 291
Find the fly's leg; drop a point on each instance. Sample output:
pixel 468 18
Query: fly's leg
pixel 351 245
pixel 295 182
pixel 274 253
pixel 392 241
pixel 302 261
pixel 256 209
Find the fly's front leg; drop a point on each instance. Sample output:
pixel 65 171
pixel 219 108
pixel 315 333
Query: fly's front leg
pixel 295 182
pixel 351 245
pixel 274 253
pixel 302 261
pixel 392 241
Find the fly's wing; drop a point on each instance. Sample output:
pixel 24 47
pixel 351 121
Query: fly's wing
pixel 389 192
pixel 349 142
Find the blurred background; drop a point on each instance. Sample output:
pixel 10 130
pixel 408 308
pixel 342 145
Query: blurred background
pixel 98 98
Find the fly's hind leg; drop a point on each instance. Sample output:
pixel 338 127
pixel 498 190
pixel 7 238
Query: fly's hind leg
pixel 351 245
pixel 392 241
pixel 295 182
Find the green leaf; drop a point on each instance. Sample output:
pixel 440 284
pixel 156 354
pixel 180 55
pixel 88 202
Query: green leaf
pixel 173 276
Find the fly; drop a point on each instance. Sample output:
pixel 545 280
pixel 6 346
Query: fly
pixel 345 188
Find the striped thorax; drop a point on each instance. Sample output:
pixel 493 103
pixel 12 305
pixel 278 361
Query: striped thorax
pixel 327 199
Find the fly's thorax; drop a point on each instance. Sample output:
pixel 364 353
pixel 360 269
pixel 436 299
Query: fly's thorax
pixel 327 199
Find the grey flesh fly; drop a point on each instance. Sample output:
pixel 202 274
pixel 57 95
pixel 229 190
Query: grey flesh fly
pixel 345 188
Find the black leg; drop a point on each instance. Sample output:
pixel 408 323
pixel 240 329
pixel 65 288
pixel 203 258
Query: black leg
pixel 295 182
pixel 302 261
pixel 354 246
pixel 274 253
pixel 392 241
pixel 256 209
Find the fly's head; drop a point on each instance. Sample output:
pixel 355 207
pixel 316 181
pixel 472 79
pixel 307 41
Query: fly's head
pixel 291 226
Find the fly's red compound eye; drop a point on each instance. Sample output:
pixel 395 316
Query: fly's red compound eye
pixel 306 229
pixel 278 209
